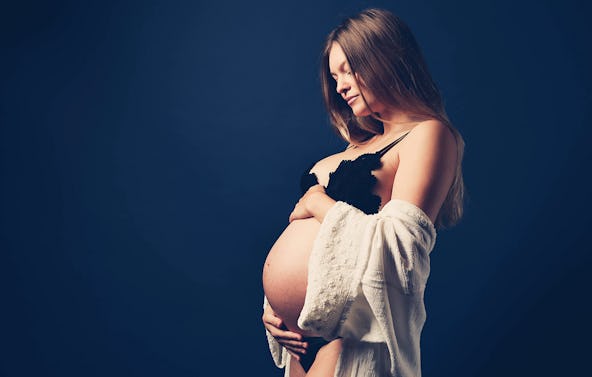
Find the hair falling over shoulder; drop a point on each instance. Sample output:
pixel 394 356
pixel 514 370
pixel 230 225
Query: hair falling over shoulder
pixel 382 51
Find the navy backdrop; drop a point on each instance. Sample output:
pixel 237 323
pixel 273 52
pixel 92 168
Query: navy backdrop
pixel 150 155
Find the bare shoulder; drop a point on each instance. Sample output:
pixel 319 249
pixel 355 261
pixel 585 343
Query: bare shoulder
pixel 427 164
pixel 430 134
pixel 430 140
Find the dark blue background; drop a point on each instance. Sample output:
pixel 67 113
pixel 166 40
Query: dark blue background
pixel 150 154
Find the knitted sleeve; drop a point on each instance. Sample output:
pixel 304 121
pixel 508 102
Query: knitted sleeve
pixel 355 252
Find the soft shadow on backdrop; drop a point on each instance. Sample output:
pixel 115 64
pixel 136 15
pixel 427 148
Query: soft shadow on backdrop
pixel 150 155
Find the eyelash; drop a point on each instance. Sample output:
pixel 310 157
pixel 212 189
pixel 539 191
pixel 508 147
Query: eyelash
pixel 349 73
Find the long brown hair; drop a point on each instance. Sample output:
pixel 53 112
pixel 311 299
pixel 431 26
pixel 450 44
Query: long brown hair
pixel 381 49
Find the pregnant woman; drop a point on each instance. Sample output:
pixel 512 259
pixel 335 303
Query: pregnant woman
pixel 344 282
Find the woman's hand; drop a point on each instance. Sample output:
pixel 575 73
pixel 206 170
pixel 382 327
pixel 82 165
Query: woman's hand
pixel 290 340
pixel 314 203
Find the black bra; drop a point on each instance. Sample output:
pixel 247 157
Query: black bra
pixel 352 182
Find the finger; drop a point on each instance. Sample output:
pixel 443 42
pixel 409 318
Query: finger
pixel 274 331
pixel 289 335
pixel 295 344
pixel 294 355
pixel 295 352
pixel 272 320
pixel 280 334
pixel 298 350
pixel 286 335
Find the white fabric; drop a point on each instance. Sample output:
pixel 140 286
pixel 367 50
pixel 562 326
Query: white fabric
pixel 366 280
pixel 279 354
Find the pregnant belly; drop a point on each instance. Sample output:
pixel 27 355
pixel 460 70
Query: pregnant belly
pixel 286 270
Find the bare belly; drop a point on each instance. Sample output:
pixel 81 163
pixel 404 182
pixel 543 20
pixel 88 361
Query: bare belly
pixel 286 270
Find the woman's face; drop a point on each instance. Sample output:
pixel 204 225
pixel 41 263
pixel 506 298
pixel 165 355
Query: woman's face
pixel 349 86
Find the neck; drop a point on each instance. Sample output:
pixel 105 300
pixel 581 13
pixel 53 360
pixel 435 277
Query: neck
pixel 398 121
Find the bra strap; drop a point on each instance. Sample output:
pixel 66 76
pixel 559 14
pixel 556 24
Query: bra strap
pixel 388 147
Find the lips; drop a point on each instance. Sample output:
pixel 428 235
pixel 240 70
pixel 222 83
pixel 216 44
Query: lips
pixel 351 99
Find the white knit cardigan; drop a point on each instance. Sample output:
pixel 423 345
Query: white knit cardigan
pixel 366 280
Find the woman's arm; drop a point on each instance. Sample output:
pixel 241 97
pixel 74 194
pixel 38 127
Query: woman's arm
pixel 427 164
pixel 314 203
pixel 353 250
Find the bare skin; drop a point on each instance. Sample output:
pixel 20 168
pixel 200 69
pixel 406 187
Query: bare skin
pixel 419 170
pixel 324 364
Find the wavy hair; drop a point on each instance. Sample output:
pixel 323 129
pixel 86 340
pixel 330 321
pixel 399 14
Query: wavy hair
pixel 382 51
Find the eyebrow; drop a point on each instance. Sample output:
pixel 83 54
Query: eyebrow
pixel 338 67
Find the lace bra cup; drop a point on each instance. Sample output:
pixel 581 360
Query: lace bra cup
pixel 352 182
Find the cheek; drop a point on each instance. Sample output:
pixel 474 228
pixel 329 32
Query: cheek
pixel 364 90
pixel 373 103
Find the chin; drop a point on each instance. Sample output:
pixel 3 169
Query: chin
pixel 361 112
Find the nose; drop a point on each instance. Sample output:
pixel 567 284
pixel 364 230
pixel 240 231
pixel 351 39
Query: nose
pixel 342 85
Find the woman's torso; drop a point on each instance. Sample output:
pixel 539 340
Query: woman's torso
pixel 285 269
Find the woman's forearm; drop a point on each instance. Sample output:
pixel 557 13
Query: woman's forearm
pixel 318 204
